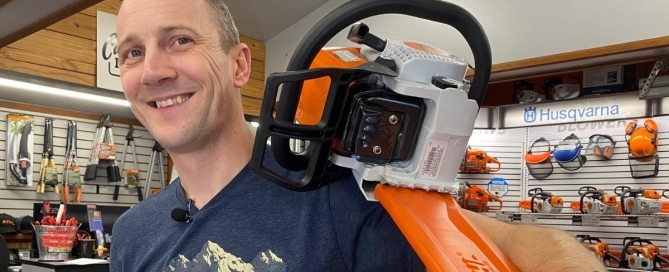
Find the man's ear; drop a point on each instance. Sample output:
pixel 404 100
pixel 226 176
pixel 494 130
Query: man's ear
pixel 241 66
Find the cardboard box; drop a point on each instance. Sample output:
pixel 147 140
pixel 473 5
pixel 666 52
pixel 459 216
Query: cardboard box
pixel 603 80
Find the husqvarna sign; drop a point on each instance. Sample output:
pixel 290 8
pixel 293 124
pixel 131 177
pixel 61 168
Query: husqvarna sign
pixel 574 111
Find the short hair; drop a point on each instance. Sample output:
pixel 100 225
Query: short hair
pixel 226 25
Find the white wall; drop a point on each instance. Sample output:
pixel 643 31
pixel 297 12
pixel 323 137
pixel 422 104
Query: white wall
pixel 516 29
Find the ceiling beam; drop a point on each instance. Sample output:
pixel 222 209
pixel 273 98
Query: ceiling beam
pixel 4 2
pixel 46 21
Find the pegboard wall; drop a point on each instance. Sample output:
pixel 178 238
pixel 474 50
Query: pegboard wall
pixel 18 200
pixel 565 179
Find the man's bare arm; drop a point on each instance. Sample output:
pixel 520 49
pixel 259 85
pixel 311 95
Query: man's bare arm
pixel 538 248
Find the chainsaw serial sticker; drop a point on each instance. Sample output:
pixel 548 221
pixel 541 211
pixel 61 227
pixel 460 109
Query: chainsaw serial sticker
pixel 432 159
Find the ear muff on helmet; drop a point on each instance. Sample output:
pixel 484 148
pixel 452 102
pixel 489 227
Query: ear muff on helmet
pixel 539 163
pixel 567 153
pixel 602 146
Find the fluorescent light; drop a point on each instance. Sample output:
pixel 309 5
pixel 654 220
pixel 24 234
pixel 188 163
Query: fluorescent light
pixel 62 92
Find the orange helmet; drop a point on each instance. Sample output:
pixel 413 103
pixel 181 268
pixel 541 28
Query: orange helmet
pixel 642 141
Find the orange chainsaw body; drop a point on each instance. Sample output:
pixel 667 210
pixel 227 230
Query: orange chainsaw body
pixel 476 199
pixel 477 160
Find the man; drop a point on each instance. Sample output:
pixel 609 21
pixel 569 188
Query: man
pixel 182 68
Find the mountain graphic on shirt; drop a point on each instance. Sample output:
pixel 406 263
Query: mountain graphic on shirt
pixel 212 258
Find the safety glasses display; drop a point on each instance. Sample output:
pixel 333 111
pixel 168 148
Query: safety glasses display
pixel 601 145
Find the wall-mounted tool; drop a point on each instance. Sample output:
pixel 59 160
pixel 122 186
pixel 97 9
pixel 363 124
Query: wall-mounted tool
pixel 638 201
pixel 71 173
pixel 477 160
pixel 600 249
pixel 91 172
pixel 539 164
pixel 542 202
pixel 108 154
pixel 130 175
pixel 567 153
pixel 642 145
pixel 594 201
pixel 601 145
pixel 641 254
pixel 475 198
pixel 156 159
pixel 48 174
pixel 19 159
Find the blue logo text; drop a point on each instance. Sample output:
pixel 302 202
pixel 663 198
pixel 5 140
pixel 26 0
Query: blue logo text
pixel 531 115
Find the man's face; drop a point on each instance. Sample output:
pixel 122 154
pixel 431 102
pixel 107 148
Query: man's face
pixel 174 71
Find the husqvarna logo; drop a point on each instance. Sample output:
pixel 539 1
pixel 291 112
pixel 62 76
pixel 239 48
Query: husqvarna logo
pixel 530 114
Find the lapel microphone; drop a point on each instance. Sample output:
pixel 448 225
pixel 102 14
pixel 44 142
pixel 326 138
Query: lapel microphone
pixel 181 215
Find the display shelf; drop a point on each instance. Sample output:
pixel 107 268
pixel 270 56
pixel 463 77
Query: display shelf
pixel 581 219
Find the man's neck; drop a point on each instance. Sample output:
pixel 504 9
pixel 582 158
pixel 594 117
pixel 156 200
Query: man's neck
pixel 205 173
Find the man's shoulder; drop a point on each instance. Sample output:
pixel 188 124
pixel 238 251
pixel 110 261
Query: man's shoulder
pixel 148 209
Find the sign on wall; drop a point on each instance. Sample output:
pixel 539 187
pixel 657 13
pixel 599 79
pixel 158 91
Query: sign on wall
pixel 108 73
pixel 574 111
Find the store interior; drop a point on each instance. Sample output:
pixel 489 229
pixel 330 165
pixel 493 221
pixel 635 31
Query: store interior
pixel 570 133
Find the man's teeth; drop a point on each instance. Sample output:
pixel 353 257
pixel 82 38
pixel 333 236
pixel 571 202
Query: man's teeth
pixel 172 101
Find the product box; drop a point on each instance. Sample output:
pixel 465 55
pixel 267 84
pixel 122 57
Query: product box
pixel 604 80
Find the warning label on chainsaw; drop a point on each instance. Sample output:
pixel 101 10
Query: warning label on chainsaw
pixel 498 186
pixel 432 159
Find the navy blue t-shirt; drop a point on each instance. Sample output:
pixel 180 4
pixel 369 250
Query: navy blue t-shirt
pixel 256 225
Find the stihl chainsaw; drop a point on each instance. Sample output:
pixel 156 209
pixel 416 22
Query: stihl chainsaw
pixel 477 160
pixel 475 198
pixel 398 114
pixel 600 249
pixel 644 255
pixel 594 201
pixel 638 201
pixel 542 202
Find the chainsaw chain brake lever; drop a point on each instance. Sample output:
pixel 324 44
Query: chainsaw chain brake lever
pixel 587 189
pixel 622 190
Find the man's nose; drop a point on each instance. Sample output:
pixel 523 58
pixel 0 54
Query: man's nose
pixel 157 68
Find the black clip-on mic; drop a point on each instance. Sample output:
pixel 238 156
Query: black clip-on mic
pixel 181 215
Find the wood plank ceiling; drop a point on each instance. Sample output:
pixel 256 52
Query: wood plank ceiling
pixel 66 51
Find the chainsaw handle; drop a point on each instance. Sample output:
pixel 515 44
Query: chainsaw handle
pixel 348 14
pixel 588 188
pixel 594 194
pixel 534 191
pixel 622 188
pixel 665 191
pixel 495 161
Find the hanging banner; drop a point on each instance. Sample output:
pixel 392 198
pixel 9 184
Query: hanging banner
pixel 575 111
pixel 108 73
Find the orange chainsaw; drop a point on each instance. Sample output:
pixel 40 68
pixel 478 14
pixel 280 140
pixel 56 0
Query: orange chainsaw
pixel 542 202
pixel 477 160
pixel 643 256
pixel 601 250
pixel 638 201
pixel 475 198
pixel 595 201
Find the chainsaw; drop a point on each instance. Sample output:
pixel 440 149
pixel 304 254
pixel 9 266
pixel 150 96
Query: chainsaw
pixel 396 113
pixel 477 160
pixel 638 201
pixel 594 201
pixel 542 202
pixel 600 249
pixel 644 256
pixel 475 198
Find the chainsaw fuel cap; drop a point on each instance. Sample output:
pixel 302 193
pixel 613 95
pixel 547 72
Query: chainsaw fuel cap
pixel 567 153
pixel 539 163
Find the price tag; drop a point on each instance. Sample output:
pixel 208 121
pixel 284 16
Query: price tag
pixel 590 220
pixel 528 219
pixel 498 186
pixel 649 221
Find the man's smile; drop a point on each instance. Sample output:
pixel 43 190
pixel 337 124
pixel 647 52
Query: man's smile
pixel 164 102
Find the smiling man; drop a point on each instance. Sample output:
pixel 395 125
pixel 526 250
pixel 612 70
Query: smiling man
pixel 182 69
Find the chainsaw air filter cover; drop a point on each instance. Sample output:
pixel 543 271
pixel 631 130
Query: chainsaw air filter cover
pixel 601 145
pixel 642 145
pixel 567 153
pixel 539 163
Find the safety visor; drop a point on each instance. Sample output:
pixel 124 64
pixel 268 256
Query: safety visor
pixel 567 153
pixel 538 159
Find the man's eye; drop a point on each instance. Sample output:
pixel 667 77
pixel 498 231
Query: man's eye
pixel 134 53
pixel 182 41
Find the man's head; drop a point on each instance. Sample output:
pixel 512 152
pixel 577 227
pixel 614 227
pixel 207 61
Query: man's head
pixel 182 67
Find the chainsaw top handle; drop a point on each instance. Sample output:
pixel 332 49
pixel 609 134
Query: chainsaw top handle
pixel 346 15
pixel 586 189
